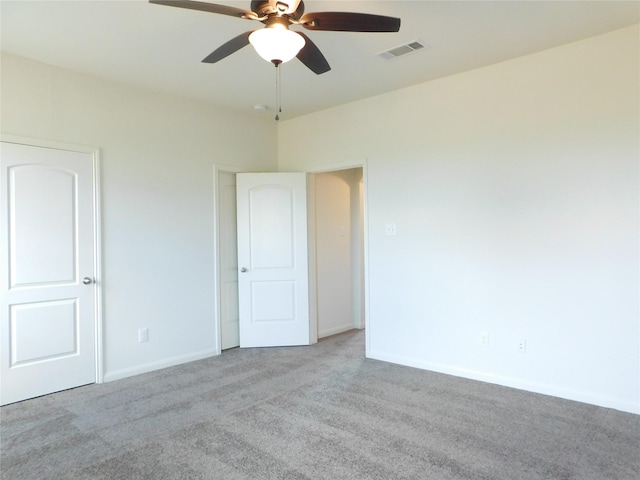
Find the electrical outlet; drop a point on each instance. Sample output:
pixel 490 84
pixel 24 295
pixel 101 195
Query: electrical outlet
pixel 522 345
pixel 143 335
pixel 484 339
pixel 390 229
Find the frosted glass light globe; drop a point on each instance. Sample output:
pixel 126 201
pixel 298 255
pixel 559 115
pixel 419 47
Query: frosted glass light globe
pixel 276 43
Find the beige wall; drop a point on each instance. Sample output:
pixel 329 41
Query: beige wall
pixel 157 155
pixel 515 193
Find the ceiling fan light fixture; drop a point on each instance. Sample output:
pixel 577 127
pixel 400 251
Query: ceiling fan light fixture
pixel 276 43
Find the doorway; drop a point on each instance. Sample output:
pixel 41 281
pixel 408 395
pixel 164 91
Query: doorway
pixel 339 245
pixel 336 250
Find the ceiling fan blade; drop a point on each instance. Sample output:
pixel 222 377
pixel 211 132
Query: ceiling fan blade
pixel 207 7
pixel 349 22
pixel 312 57
pixel 228 48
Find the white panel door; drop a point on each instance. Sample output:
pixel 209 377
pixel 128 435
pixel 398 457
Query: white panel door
pixel 228 261
pixel 47 318
pixel 272 258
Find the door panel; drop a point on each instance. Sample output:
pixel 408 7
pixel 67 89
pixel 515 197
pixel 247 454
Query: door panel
pixel 43 331
pixel 42 251
pixel 272 256
pixel 47 318
pixel 270 223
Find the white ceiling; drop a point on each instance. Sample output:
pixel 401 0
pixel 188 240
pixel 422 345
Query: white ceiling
pixel 161 47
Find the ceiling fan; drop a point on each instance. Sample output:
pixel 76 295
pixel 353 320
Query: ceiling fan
pixel 275 42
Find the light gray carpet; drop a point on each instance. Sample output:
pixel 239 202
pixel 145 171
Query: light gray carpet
pixel 320 412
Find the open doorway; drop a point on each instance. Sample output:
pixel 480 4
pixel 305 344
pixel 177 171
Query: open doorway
pixel 339 233
pixel 338 250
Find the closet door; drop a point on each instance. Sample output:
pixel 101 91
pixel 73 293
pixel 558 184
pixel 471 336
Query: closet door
pixel 48 306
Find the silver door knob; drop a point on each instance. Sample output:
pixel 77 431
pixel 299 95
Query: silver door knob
pixel 87 280
pixel 244 269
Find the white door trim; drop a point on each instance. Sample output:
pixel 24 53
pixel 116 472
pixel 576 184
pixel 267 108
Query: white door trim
pixel 312 262
pixel 97 231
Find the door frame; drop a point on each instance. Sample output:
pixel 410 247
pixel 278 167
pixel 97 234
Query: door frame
pixel 217 291
pixel 97 233
pixel 311 245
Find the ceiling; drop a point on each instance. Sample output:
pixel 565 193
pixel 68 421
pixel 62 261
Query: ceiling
pixel 161 47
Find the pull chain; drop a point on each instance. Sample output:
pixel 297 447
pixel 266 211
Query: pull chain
pixel 278 93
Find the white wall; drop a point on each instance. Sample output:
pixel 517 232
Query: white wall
pixel 333 254
pixel 515 193
pixel 157 155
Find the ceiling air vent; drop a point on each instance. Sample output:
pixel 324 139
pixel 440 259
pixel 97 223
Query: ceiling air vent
pixel 402 50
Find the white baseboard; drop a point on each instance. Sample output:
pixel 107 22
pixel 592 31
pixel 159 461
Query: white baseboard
pixel 152 366
pixel 518 383
pixel 335 330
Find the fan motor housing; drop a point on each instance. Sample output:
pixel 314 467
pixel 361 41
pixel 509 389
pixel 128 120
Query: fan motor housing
pixel 262 8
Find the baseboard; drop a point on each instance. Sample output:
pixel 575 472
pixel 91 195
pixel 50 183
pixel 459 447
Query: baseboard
pixel 152 366
pixel 518 383
pixel 334 331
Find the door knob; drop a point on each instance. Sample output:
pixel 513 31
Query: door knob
pixel 87 280
pixel 244 269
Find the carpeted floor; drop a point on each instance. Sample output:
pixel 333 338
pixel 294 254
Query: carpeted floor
pixel 320 412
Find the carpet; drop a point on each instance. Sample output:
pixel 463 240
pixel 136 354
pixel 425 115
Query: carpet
pixel 317 412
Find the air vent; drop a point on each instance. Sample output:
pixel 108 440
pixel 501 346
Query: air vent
pixel 402 50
